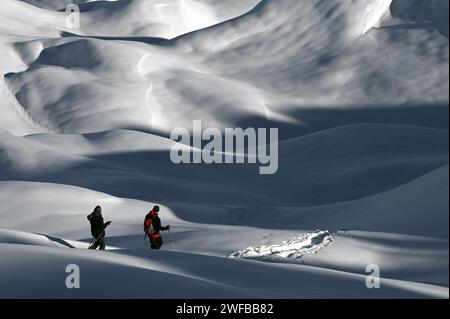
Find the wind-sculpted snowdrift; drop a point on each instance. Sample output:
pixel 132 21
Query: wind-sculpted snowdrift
pixel 158 18
pixel 281 57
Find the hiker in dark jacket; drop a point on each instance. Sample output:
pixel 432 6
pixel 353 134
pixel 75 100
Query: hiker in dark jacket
pixel 98 228
pixel 152 228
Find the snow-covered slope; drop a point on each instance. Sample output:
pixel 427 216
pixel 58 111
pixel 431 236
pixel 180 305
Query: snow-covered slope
pixel 358 89
pixel 162 18
pixel 238 70
pixel 67 207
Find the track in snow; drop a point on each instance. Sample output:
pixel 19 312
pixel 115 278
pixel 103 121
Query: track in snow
pixel 290 250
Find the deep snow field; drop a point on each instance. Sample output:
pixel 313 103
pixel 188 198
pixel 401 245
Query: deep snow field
pixel 359 90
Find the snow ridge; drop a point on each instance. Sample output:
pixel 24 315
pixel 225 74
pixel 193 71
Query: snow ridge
pixel 375 12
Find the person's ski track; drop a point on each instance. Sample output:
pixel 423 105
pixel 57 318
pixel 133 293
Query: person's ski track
pixel 22 112
pixel 149 88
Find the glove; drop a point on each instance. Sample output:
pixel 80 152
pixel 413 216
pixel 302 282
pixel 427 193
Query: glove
pixel 108 223
pixel 168 227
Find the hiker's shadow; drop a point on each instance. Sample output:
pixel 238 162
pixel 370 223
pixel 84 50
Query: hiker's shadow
pixel 58 240
pixel 124 242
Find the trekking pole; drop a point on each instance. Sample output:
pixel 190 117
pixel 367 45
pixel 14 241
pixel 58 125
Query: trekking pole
pixel 171 240
pixel 92 242
pixel 96 239
pixel 148 243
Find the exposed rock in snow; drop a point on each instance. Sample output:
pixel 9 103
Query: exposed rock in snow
pixel 359 90
pixel 290 250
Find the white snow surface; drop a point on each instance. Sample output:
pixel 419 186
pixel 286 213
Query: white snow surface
pixel 358 89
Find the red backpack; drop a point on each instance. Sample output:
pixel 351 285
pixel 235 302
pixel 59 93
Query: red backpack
pixel 148 223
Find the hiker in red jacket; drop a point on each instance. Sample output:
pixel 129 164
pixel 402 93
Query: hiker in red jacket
pixel 152 228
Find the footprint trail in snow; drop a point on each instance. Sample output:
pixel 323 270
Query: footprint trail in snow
pixel 290 250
